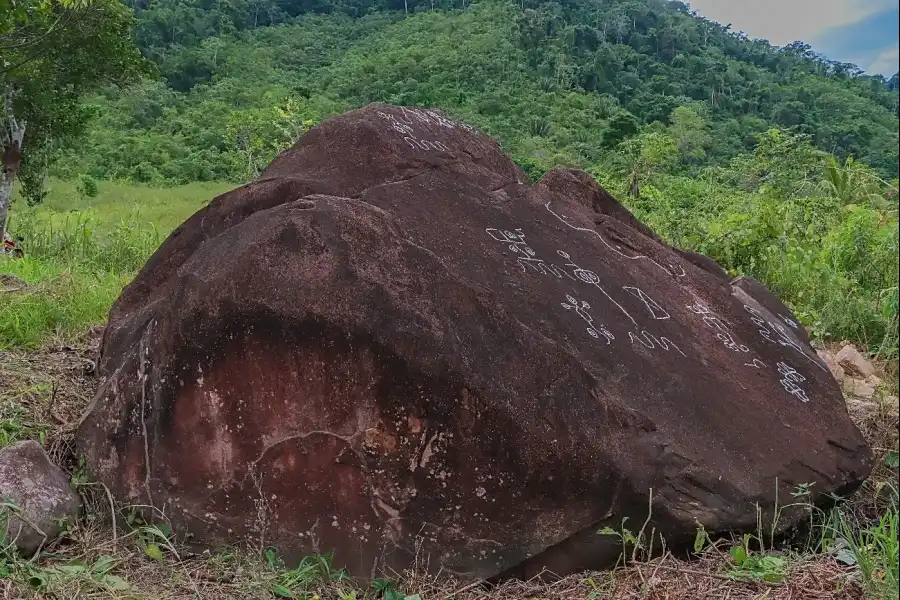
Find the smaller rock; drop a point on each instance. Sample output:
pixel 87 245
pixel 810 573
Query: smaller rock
pixel 11 283
pixel 853 362
pixel 874 381
pixel 41 492
pixel 828 358
pixel 858 388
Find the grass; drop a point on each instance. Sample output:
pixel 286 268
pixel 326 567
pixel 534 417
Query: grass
pixel 81 251
pixel 79 254
pixel 164 208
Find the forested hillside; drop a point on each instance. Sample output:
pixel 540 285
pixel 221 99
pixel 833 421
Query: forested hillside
pixel 556 82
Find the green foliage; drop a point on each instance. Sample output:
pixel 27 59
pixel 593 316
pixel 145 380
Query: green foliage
pixel 875 549
pixel 52 52
pixel 78 258
pixel 302 580
pixel 15 425
pixel 387 590
pixel 769 214
pixel 87 186
pixel 751 565
pixel 691 134
pixel 90 575
pixel 556 82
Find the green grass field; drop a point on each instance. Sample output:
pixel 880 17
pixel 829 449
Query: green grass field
pixel 81 251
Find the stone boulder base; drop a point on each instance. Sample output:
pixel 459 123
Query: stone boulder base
pixel 37 495
pixel 392 346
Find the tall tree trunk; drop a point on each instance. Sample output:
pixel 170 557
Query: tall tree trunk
pixel 6 188
pixel 12 132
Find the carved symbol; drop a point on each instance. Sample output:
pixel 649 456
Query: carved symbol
pixel 790 380
pixel 581 309
pixel 401 128
pixel 651 341
pixel 766 328
pixel 584 275
pixel 656 311
pixel 592 278
pixel 615 249
pixel 794 324
pixel 710 319
pixel 677 270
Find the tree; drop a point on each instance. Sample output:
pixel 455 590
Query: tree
pixel 259 134
pixel 853 183
pixel 51 53
pixel 691 133
pixel 646 153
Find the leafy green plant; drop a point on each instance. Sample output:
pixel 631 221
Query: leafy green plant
pixel 301 581
pixel 755 565
pixel 625 536
pixel 874 549
pixel 87 186
pixel 387 590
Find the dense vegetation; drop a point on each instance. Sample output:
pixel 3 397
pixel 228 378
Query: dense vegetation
pixel 558 82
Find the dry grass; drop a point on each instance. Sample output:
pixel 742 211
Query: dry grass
pixel 43 393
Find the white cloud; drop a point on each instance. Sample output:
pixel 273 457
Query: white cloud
pixel 886 62
pixel 784 21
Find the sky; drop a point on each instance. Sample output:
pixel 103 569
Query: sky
pixel 863 32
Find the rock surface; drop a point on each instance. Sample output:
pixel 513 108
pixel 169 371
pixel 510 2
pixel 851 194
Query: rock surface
pixel 41 493
pixel 837 371
pixel 392 346
pixel 853 362
pixel 858 387
pixel 11 283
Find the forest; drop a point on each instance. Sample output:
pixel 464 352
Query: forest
pixel 557 82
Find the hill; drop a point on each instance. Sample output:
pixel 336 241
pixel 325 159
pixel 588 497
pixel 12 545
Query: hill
pixel 238 80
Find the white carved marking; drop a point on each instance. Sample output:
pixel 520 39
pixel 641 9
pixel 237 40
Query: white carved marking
pixel 401 128
pixel 729 342
pixel 526 257
pixel 652 341
pixel 593 279
pixel 616 249
pixel 441 120
pixel 712 320
pixel 756 364
pixel 767 327
pixel 791 322
pixel 656 311
pixel 405 127
pixel 790 380
pixel 581 309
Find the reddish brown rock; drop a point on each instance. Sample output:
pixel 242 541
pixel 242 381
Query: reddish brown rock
pixel 391 345
pixel 36 500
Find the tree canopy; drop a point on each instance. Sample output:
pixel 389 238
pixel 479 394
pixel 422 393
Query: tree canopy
pixel 51 53
pixel 558 82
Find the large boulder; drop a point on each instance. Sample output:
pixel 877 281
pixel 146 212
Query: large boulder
pixel 391 345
